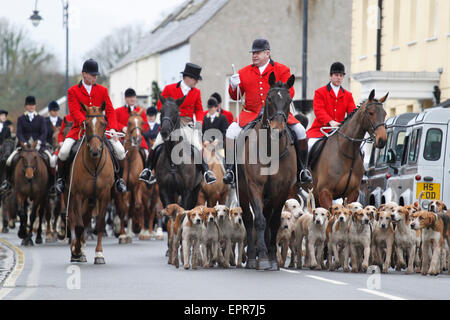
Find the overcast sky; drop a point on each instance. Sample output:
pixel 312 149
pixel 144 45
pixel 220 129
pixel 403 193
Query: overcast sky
pixel 91 20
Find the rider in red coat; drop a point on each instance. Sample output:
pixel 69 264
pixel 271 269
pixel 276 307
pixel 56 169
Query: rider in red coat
pixel 123 114
pixel 253 81
pixel 331 104
pixel 88 93
pixel 192 105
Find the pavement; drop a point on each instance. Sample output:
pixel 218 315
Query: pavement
pixel 140 271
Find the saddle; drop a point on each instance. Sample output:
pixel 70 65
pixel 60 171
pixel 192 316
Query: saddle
pixel 315 152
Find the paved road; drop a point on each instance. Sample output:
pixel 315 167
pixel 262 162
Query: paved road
pixel 140 271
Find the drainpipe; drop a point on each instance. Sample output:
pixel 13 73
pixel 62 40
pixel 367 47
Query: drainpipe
pixel 305 49
pixel 380 20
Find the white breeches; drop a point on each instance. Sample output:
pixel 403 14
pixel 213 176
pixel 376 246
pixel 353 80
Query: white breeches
pixel 234 130
pixel 311 142
pixel 64 152
pixel 189 134
pixel 12 155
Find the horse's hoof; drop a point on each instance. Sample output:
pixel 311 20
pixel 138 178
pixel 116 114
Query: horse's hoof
pixel 5 230
pixel 263 264
pixel 22 233
pixel 273 265
pixel 78 258
pixel 129 239
pixel 251 264
pixel 11 224
pixel 167 253
pixel 99 260
pixel 38 240
pixel 27 242
pixel 123 240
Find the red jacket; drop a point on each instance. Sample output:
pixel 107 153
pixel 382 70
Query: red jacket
pixel 122 115
pixel 68 119
pixel 226 113
pixel 99 94
pixel 256 86
pixel 327 107
pixel 191 105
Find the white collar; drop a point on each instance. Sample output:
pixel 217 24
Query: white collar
pixel 261 69
pixel 87 87
pixel 54 120
pixel 335 88
pixel 131 107
pixel 185 88
pixel 212 116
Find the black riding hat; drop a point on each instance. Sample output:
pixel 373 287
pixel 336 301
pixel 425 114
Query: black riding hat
pixel 212 102
pixel 193 71
pixel 217 97
pixel 260 45
pixel 30 101
pixel 130 93
pixel 91 66
pixel 152 111
pixel 53 106
pixel 337 67
pixel 3 112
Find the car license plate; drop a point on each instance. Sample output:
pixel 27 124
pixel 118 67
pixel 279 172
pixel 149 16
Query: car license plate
pixel 431 191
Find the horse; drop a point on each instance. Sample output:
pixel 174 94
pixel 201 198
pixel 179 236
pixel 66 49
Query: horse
pixel 131 203
pixel 30 183
pixel 6 149
pixel 338 170
pixel 216 192
pixel 175 180
pixel 265 195
pixel 92 177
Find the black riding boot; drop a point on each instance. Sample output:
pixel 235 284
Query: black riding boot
pixel 229 177
pixel 208 175
pixel 147 174
pixel 303 174
pixel 61 174
pixel 6 184
pixel 120 183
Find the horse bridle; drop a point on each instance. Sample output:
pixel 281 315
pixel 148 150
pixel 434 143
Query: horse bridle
pixel 372 125
pixel 34 167
pixel 101 138
pixel 278 113
pixel 172 124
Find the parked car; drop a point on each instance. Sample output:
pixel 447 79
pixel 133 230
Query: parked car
pixel 425 161
pixel 379 170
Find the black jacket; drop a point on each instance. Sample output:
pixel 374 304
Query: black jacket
pixel 220 122
pixel 49 125
pixel 36 129
pixel 5 133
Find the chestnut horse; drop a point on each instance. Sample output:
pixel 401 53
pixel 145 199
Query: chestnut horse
pixel 30 184
pixel 338 171
pixel 92 177
pixel 266 193
pixel 131 203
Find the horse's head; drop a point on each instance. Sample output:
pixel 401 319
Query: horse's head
pixel 277 103
pixel 170 116
pixel 134 129
pixel 29 158
pixel 374 119
pixel 95 127
pixel 6 149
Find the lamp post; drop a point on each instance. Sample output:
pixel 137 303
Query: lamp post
pixel 36 19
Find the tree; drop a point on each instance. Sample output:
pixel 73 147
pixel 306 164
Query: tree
pixel 112 48
pixel 26 68
pixel 155 93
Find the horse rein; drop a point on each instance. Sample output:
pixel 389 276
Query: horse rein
pixel 89 138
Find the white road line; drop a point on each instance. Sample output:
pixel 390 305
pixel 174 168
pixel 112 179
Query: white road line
pixel 10 281
pixel 290 271
pixel 32 280
pixel 381 294
pixel 327 280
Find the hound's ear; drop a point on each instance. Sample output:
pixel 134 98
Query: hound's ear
pixel 377 215
pixel 103 106
pixel 328 214
pixel 372 95
pixel 290 81
pixel 444 207
pixel 382 100
pixel 162 99
pixel 180 101
pixel 83 106
pixel 272 79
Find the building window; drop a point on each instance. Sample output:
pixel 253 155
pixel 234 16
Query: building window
pixel 396 24
pixel 432 20
pixel 409 108
pixel 413 21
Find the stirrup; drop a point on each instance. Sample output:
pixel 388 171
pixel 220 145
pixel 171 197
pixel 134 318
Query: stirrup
pixel 147 176
pixel 214 179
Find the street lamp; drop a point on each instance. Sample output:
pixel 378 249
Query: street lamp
pixel 36 19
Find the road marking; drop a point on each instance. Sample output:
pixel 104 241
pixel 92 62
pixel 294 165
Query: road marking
pixel 32 280
pixel 381 294
pixel 10 281
pixel 290 271
pixel 327 280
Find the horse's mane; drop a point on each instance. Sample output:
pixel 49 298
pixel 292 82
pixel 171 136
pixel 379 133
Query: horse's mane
pixel 349 116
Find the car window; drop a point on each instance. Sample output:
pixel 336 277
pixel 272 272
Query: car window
pixel 382 155
pixel 400 145
pixel 433 144
pixel 414 146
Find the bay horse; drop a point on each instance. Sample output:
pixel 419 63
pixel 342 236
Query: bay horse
pixel 92 177
pixel 30 184
pixel 265 195
pixel 175 180
pixel 6 149
pixel 131 203
pixel 338 171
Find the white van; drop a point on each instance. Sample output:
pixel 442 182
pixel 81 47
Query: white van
pixel 425 161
